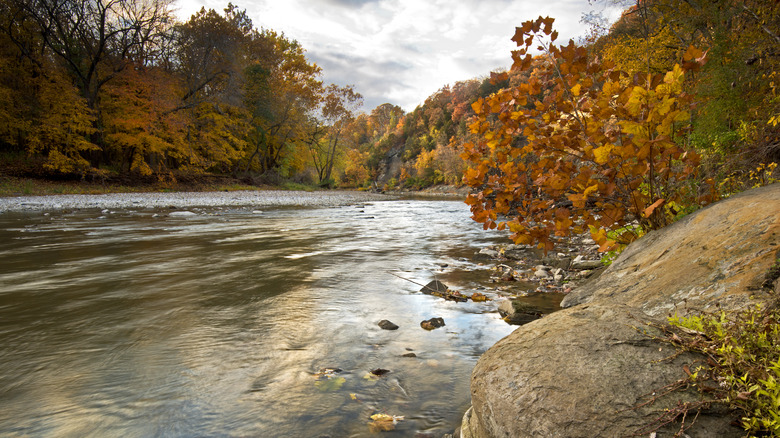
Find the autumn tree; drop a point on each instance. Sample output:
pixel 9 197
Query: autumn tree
pixel 95 38
pixel 143 133
pixel 581 146
pixel 282 90
pixel 213 52
pixel 336 111
pixel 41 112
pixel 86 43
pixel 737 89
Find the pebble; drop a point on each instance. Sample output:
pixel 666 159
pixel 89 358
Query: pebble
pixel 541 273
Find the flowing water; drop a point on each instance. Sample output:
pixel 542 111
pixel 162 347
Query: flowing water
pixel 144 323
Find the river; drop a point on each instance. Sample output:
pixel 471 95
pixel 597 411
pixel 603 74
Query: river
pixel 214 321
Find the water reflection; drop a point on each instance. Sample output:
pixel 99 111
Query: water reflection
pixel 141 324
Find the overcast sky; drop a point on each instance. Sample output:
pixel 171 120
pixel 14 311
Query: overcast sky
pixel 402 51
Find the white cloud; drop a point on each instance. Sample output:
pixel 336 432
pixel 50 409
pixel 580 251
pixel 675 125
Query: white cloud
pixel 402 51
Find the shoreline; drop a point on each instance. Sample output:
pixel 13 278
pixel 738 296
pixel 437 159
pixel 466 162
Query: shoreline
pixel 256 198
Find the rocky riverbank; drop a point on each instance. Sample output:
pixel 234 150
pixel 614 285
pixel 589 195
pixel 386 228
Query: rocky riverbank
pixel 596 368
pixel 182 200
pixel 534 283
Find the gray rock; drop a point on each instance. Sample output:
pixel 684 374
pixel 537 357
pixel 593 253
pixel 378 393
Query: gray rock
pixel 717 256
pixel 434 286
pixel 578 373
pixel 581 265
pixel 541 273
pixel 489 252
pixel 522 310
pixel 519 252
pixel 517 312
pixel 181 213
pixel 586 371
pixel 387 325
pixel 468 427
pixel 561 261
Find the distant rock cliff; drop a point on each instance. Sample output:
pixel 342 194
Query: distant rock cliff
pixel 584 371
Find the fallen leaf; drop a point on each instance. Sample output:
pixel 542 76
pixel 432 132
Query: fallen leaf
pixel 384 422
pixel 477 297
pixel 330 384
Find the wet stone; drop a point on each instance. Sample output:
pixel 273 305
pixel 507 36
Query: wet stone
pixel 387 325
pixel 433 323
pixel 434 286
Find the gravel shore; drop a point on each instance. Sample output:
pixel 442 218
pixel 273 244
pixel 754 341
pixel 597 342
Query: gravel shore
pixel 268 198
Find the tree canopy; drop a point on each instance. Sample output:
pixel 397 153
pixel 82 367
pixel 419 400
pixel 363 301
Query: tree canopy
pixel 634 124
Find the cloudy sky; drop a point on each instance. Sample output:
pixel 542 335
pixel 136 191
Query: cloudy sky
pixel 402 51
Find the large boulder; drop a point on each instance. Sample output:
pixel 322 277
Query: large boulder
pixel 588 370
pixel 717 256
pixel 581 372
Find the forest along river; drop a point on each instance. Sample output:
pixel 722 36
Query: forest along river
pixel 157 322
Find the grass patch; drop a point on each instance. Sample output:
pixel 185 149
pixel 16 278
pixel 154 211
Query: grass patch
pixel 293 186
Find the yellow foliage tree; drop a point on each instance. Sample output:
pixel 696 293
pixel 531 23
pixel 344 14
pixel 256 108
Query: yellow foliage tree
pixel 140 127
pixel 580 146
pixel 61 133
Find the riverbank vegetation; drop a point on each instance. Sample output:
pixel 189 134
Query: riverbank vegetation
pixel 742 369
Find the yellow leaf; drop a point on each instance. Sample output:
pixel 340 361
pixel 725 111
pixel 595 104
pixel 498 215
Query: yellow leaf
pixel 674 75
pixel 633 128
pixel 682 116
pixel 692 53
pixel 665 106
pixel 644 150
pixel 477 106
pixel 575 90
pixel 384 422
pixel 330 384
pixel 478 297
pixel 601 154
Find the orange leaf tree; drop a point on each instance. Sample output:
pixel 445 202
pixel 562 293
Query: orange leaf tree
pixel 580 146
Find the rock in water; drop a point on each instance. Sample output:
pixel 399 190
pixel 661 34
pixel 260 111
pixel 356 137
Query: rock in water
pixel 432 323
pixel 587 370
pixel 435 286
pixel 181 214
pixel 387 325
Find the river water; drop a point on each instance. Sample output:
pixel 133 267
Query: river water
pixel 215 322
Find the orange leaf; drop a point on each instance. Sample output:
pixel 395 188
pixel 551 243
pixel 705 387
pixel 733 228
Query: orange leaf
pixel 649 210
